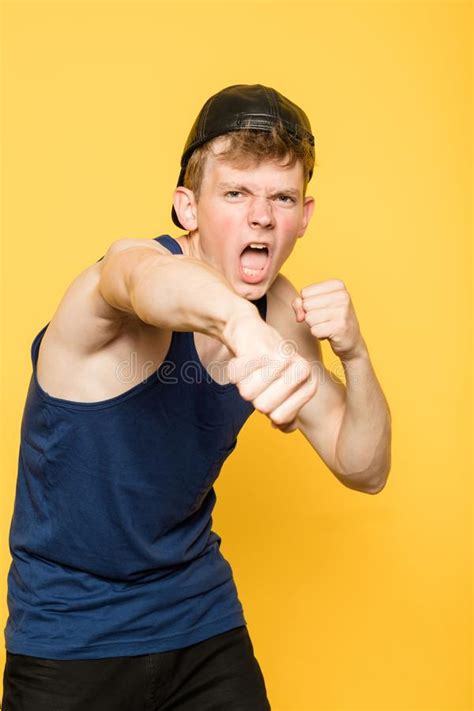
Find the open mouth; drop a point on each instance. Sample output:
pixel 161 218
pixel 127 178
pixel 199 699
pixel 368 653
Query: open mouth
pixel 254 262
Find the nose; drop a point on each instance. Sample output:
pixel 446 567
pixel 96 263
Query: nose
pixel 260 212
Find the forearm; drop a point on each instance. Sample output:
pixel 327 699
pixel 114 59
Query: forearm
pixel 181 293
pixel 363 449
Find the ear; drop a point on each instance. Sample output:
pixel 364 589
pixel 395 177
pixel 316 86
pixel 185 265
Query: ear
pixel 308 209
pixel 184 203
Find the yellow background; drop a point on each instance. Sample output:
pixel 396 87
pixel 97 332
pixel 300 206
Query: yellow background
pixel 354 602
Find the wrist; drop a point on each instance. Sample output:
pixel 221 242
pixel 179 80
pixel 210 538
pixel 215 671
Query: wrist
pixel 360 352
pixel 242 315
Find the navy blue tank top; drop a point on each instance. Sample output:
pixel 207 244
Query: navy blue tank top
pixel 111 541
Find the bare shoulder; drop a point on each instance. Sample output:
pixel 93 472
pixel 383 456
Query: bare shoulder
pixel 84 322
pixel 279 300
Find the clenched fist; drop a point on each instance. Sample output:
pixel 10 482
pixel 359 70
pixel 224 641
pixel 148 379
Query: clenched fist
pixel 270 373
pixel 327 309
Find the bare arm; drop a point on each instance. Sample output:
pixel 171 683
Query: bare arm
pixel 179 293
pixel 172 292
pixel 364 442
pixel 349 426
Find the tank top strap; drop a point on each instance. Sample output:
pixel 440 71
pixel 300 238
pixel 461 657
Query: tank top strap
pixel 35 346
pixel 261 305
pixel 170 243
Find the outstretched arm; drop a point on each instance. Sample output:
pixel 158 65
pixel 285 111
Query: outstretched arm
pixel 172 292
pixel 179 293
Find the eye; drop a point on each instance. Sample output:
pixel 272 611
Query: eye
pixel 233 193
pixel 286 198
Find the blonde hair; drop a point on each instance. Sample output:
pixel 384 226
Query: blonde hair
pixel 247 147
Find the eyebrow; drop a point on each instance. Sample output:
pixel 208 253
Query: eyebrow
pixel 243 188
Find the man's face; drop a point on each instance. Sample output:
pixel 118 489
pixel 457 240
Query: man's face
pixel 262 204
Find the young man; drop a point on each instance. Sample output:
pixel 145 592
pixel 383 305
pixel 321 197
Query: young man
pixel 119 597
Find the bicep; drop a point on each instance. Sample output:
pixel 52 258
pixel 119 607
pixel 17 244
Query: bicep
pixel 85 321
pixel 121 259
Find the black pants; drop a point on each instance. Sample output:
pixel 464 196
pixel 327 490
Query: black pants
pixel 218 674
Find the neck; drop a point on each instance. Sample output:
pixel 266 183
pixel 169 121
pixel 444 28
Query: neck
pixel 191 245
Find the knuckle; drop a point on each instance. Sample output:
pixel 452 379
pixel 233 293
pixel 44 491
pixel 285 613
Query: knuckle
pixel 245 391
pixel 277 419
pixel 261 407
pixel 299 371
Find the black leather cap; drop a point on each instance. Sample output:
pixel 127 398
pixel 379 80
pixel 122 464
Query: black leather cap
pixel 243 106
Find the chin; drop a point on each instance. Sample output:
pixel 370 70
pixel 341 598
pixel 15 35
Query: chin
pixel 253 293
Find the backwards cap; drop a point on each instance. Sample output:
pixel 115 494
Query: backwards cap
pixel 243 106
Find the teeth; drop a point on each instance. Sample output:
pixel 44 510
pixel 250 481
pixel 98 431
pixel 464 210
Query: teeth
pixel 251 272
pixel 255 245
